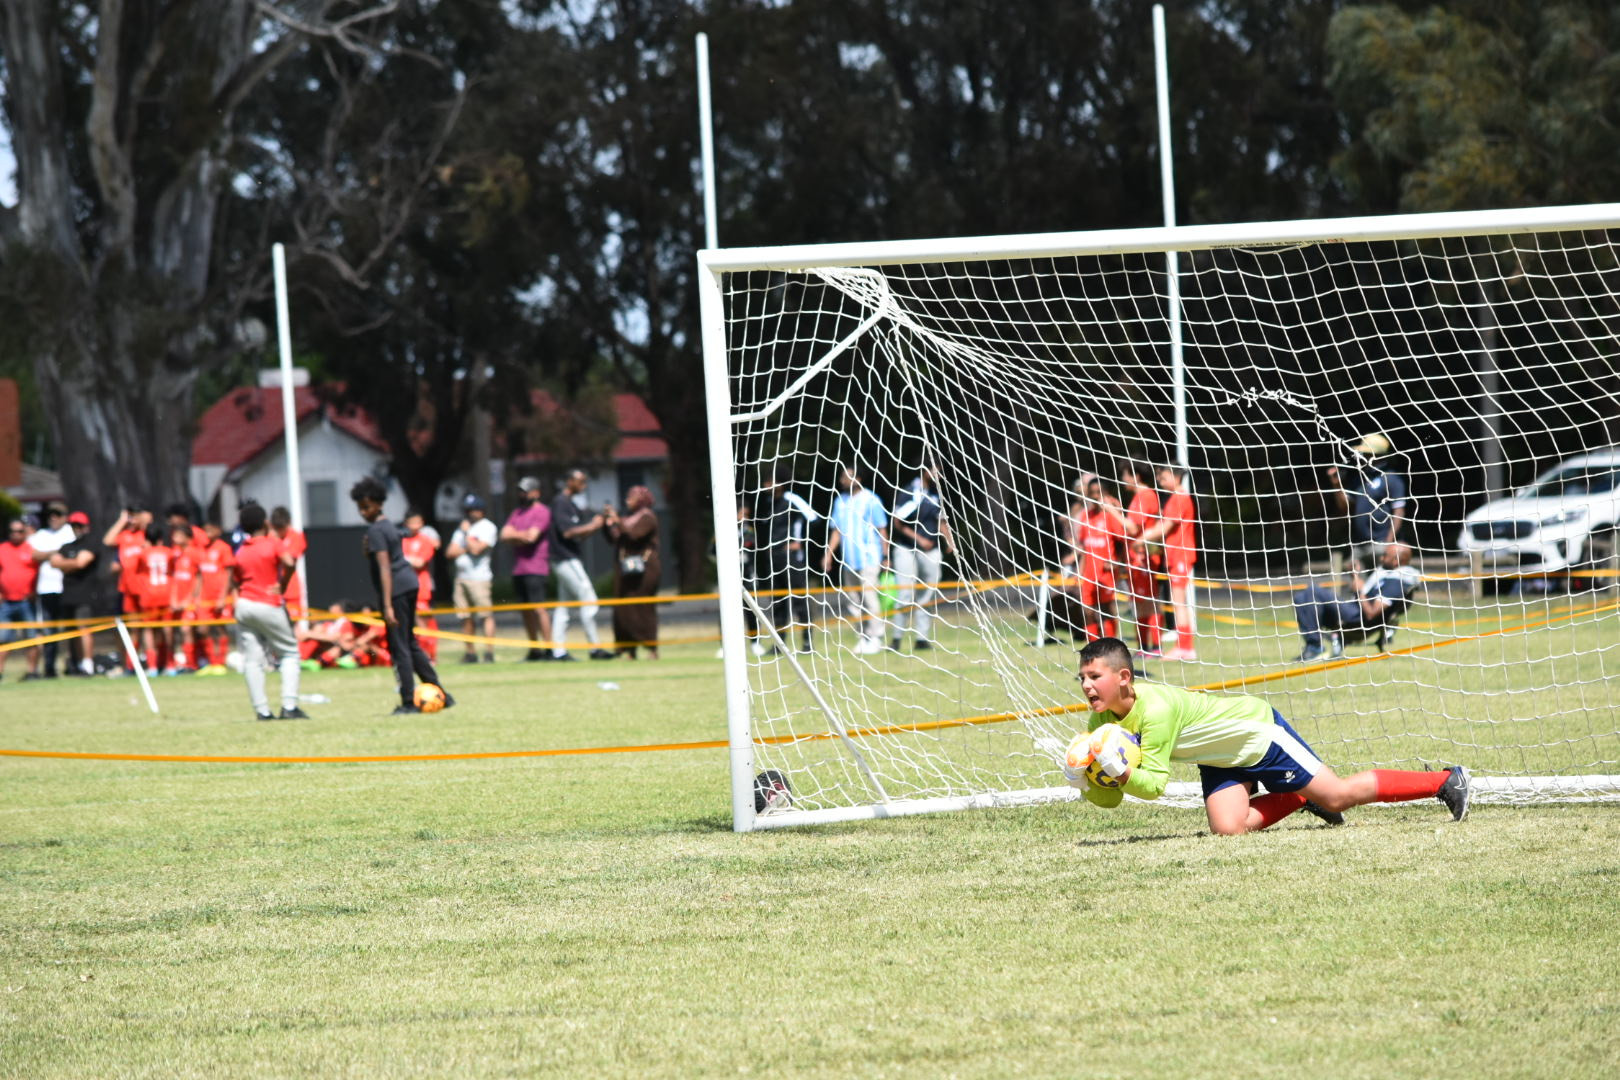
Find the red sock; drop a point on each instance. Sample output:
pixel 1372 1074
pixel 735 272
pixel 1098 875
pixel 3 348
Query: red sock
pixel 1091 632
pixel 1275 806
pixel 1396 785
pixel 1150 633
pixel 1110 628
pixel 1184 639
pixel 193 651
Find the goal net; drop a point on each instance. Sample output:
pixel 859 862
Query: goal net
pixel 1451 381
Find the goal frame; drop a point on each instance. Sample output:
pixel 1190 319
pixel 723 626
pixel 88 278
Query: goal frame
pixel 713 264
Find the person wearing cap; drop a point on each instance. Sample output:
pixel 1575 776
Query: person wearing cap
pixel 472 548
pixel 528 530
pixel 1375 501
pixel 46 542
pixel 82 562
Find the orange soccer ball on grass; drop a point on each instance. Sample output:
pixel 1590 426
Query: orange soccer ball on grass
pixel 429 698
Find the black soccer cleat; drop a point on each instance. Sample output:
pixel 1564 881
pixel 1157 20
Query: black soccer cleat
pixel 1456 792
pixel 449 700
pixel 403 709
pixel 293 714
pixel 264 716
pixel 1309 654
pixel 602 654
pixel 1332 817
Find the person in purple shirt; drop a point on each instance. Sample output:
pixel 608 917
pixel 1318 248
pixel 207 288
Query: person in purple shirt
pixel 528 530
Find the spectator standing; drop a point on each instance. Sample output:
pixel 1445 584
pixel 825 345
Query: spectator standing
pixel 262 569
pixel 637 571
pixel 784 531
pixel 82 563
pixel 183 587
pixel 127 539
pixel 528 530
pixel 921 537
pixel 18 575
pixel 473 548
pixel 859 539
pixel 569 528
pixel 296 544
pixel 396 583
pixel 1375 500
pixel 46 542
pixel 1177 531
pixel 420 544
pixel 1141 514
pixel 153 588
pixel 214 561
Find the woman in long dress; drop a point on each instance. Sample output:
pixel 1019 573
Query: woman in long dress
pixel 636 572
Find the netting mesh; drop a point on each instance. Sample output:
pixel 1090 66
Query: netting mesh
pixel 1488 365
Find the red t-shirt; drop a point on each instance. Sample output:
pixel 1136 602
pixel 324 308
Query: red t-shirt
pixel 214 562
pixel 1099 539
pixel 131 543
pixel 152 577
pixel 421 546
pixel 183 576
pixel 1180 543
pixel 294 544
pixel 1143 513
pixel 258 568
pixel 18 570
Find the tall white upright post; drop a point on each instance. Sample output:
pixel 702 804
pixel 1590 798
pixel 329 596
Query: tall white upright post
pixel 711 225
pixel 1172 263
pixel 289 412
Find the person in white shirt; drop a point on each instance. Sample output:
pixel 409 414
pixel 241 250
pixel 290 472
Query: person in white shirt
pixel 472 549
pixel 920 533
pixel 859 539
pixel 46 542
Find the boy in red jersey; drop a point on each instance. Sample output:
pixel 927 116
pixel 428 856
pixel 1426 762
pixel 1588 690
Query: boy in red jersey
pixel 182 600
pixel 295 544
pixel 127 538
pixel 1141 515
pixel 419 545
pixel 214 562
pixel 1177 531
pixel 261 571
pixel 1098 530
pixel 152 590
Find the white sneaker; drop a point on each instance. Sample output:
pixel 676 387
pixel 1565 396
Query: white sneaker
pixel 868 646
pixel 757 648
pixel 720 653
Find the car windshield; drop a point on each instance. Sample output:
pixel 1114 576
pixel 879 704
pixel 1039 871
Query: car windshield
pixel 1575 480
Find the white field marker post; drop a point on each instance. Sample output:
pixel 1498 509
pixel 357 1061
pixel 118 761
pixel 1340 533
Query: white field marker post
pixel 711 225
pixel 135 662
pixel 1172 267
pixel 289 417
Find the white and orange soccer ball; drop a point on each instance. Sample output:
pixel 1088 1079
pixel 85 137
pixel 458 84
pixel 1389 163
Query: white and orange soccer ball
pixel 429 698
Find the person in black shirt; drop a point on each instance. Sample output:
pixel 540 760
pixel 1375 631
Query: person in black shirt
pixel 395 581
pixel 570 525
pixel 782 560
pixel 920 531
pixel 84 562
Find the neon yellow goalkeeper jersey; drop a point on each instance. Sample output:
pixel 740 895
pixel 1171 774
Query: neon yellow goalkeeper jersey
pixel 1180 725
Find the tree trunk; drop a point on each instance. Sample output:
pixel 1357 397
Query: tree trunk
pixel 691 502
pixel 122 434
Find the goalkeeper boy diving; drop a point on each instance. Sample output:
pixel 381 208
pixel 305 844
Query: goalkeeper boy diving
pixel 1239 743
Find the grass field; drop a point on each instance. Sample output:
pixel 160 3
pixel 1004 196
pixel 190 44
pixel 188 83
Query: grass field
pixel 594 915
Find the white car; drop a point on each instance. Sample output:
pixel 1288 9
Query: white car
pixel 1565 520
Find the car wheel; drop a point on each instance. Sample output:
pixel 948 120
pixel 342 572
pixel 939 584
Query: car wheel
pixel 1603 557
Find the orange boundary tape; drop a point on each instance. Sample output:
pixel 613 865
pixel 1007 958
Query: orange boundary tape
pixel 780 740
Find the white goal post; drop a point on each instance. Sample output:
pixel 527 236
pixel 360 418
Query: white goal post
pixel 1456 374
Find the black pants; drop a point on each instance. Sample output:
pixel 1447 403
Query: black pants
pixel 50 604
pixel 410 659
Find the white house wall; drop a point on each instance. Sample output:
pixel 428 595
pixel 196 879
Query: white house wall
pixel 325 453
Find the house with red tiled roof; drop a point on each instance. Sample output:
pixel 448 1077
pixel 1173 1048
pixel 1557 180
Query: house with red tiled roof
pixel 239 453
